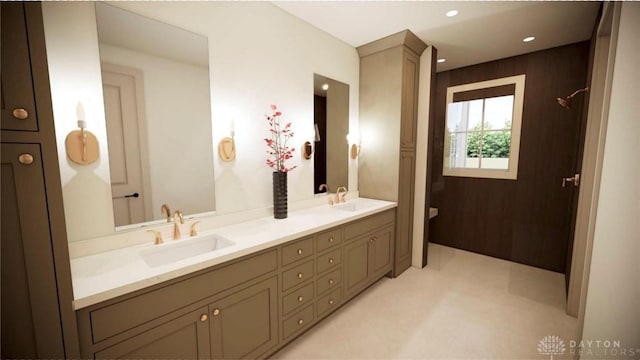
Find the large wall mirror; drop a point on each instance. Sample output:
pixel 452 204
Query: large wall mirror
pixel 331 121
pixel 155 79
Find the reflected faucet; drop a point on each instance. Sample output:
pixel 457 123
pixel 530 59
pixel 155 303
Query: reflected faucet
pixel 165 210
pixel 325 187
pixel 177 217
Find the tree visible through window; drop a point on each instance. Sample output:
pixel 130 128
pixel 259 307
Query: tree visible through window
pixel 480 133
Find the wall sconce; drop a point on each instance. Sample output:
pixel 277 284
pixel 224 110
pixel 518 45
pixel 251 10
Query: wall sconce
pixel 81 145
pixel 307 150
pixel 354 145
pixel 227 146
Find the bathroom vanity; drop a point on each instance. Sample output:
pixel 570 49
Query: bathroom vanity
pixel 259 295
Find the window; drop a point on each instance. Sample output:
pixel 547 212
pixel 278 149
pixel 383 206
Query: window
pixel 482 136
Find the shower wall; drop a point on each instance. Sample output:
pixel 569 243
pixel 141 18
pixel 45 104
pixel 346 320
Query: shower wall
pixel 527 220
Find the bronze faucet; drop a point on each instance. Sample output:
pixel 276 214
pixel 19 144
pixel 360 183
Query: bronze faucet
pixel 341 194
pixel 177 216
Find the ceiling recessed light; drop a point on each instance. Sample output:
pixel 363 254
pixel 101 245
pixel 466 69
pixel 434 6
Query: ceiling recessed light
pixel 442 60
pixel 529 38
pixel 325 87
pixel 452 13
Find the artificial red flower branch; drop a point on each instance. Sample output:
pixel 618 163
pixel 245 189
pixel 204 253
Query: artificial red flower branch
pixel 278 151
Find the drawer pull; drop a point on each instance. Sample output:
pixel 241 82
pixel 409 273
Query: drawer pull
pixel 300 298
pixel 331 239
pixel 203 317
pixel 20 113
pixel 299 251
pixel 216 312
pixel 300 275
pixel 330 301
pixel 300 322
pixel 330 281
pixel 330 260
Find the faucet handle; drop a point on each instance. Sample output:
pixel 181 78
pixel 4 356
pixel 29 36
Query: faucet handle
pixel 192 231
pixel 157 236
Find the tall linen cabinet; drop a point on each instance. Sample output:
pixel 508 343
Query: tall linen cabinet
pixel 38 320
pixel 389 79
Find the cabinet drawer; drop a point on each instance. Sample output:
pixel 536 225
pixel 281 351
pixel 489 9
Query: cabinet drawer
pixel 297 322
pixel 296 251
pixel 329 260
pixel 297 298
pixel 297 275
pixel 115 318
pixel 354 230
pixel 328 239
pixel 329 302
pixel 329 281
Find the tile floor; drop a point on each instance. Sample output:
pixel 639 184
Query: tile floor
pixel 461 306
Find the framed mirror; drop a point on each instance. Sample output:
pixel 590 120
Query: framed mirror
pixel 482 133
pixel 331 123
pixel 155 79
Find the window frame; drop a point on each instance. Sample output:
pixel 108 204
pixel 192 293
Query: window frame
pixel 511 173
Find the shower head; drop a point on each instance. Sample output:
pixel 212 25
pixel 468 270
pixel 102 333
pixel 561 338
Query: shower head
pixel 566 102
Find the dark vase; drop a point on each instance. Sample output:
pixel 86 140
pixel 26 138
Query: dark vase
pixel 280 195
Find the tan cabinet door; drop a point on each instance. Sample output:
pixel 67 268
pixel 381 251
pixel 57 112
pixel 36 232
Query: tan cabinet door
pixel 356 266
pixel 243 324
pixel 30 315
pixel 185 337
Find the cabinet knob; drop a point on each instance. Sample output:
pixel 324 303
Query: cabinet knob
pixel 203 317
pixel 330 260
pixel 25 159
pixel 300 322
pixel 299 251
pixel 330 301
pixel 331 239
pixel 216 312
pixel 20 113
pixel 330 281
pixel 300 298
pixel 300 275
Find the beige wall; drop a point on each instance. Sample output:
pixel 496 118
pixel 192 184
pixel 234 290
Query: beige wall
pixel 258 55
pixel 613 297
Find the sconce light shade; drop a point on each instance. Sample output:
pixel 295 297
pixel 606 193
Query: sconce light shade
pixel 316 133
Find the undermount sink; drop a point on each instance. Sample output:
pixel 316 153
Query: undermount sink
pixel 183 249
pixel 353 205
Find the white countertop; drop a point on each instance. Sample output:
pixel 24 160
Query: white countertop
pixel 113 273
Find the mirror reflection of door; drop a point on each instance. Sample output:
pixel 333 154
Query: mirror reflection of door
pixel 331 119
pixel 124 119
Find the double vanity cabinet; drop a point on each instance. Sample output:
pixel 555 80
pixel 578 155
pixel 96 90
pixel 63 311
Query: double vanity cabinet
pixel 244 308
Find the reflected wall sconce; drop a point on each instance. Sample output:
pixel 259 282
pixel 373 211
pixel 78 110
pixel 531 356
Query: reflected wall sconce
pixel 354 145
pixel 227 146
pixel 307 147
pixel 81 145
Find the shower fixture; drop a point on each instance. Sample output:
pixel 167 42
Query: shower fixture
pixel 566 102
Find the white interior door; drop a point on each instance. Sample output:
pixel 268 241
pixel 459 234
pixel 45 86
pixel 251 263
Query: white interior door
pixel 124 110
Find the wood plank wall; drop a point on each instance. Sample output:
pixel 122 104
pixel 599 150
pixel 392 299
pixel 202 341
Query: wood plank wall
pixel 526 220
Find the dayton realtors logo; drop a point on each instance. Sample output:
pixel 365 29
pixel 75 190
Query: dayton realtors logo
pixel 551 345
